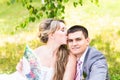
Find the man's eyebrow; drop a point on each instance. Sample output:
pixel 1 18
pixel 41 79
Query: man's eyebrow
pixel 78 38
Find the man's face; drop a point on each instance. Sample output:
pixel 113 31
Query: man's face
pixel 77 43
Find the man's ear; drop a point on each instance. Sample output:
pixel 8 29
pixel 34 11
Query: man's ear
pixel 88 40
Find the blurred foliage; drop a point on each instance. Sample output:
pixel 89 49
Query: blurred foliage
pixel 47 8
pixel 112 55
pixel 102 21
pixel 11 54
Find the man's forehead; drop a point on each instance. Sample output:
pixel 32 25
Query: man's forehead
pixel 78 33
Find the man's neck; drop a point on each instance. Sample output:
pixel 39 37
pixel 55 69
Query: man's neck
pixel 82 55
pixel 79 56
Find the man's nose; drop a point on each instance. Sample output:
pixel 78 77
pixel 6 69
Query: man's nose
pixel 74 42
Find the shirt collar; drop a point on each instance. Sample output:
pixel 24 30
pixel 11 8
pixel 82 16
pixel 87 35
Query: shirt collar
pixel 83 56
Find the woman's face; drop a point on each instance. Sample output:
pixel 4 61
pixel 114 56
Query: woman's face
pixel 60 34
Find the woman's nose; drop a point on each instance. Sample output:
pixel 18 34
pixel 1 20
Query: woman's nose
pixel 66 32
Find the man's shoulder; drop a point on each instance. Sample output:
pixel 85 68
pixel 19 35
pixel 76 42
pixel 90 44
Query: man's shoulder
pixel 94 51
pixel 93 54
pixel 94 58
pixel 91 57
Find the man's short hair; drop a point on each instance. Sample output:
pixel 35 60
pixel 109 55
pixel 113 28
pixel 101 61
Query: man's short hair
pixel 76 28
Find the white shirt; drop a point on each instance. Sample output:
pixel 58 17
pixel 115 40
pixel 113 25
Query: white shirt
pixel 82 60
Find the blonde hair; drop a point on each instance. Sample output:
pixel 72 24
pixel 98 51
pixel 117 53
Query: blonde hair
pixel 62 59
pixel 50 26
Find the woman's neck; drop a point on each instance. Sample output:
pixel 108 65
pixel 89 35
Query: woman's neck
pixel 52 47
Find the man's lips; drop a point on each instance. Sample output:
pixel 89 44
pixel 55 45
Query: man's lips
pixel 75 48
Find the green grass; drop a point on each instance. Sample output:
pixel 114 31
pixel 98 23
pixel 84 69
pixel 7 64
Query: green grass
pixel 102 23
pixel 11 54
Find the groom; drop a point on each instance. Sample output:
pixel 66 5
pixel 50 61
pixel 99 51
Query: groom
pixel 91 63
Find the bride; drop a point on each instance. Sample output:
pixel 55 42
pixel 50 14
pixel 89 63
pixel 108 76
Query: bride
pixel 51 61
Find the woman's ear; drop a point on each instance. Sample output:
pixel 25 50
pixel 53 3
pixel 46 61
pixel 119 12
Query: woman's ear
pixel 51 36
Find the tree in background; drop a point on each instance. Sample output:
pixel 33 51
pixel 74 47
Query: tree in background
pixel 47 8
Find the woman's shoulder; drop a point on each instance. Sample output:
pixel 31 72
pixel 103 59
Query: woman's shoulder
pixel 38 49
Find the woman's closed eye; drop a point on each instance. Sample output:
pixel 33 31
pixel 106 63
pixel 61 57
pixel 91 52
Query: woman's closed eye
pixel 62 30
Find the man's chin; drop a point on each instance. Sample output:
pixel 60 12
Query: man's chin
pixel 74 53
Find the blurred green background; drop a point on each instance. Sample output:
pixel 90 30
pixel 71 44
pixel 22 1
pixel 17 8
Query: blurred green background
pixel 103 23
